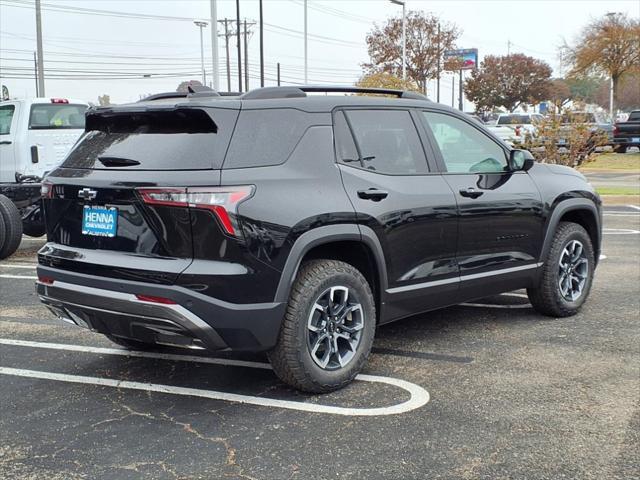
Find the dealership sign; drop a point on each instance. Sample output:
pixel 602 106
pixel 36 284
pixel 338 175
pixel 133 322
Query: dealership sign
pixel 464 59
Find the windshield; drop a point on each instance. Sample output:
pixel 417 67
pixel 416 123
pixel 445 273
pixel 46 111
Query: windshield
pixel 514 120
pixel 578 118
pixel 53 116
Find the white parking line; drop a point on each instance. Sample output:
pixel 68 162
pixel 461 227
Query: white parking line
pixel 24 277
pixel 418 395
pixel 635 207
pixel 17 265
pixel 619 231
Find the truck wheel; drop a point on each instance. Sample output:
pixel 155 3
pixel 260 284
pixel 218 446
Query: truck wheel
pixel 12 227
pixel 567 273
pixel 620 149
pixel 328 328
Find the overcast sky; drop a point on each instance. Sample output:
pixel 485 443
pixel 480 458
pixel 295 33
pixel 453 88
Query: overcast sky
pixel 101 44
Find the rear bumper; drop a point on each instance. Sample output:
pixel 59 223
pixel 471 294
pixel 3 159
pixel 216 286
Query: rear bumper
pixel 630 141
pixel 194 321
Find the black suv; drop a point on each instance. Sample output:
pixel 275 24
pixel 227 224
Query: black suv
pixel 295 224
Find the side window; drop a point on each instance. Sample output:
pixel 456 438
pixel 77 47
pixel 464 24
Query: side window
pixel 388 142
pixel 6 115
pixel 346 151
pixel 266 137
pixel 464 148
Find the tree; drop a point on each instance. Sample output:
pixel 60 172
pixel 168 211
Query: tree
pixel 608 46
pixel 183 87
pixel 104 100
pixel 386 80
pixel 508 81
pixel 424 46
pixel 628 92
pixel 584 88
pixel 559 93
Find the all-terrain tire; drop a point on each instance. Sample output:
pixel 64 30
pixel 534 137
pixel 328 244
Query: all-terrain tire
pixel 546 297
pixel 291 358
pixel 12 227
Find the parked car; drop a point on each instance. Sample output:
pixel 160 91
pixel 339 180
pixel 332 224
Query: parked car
pixel 569 120
pixel 627 134
pixel 35 136
pixel 298 224
pixel 512 127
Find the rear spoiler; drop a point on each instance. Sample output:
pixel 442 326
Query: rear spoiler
pixel 138 119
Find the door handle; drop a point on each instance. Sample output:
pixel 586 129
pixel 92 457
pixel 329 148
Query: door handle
pixel 5 142
pixel 470 192
pixel 372 194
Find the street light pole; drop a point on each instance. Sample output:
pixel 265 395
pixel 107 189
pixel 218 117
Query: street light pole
pixel 214 46
pixel 404 37
pixel 306 57
pixel 201 25
pixel 40 56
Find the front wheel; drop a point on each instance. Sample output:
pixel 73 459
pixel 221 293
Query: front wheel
pixel 567 274
pixel 328 328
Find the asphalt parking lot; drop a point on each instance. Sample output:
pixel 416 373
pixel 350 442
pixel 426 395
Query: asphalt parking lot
pixel 484 390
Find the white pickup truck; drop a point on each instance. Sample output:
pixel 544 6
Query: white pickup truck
pixel 512 127
pixel 35 136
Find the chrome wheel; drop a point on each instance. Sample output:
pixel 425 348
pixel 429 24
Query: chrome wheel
pixel 573 271
pixel 335 328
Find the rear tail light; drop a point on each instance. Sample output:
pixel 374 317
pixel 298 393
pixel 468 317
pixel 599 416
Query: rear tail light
pixel 46 190
pixel 45 280
pixel 615 130
pixel 221 201
pixel 518 130
pixel 154 299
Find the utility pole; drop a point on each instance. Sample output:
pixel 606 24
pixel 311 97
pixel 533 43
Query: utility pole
pixel 246 58
pixel 239 46
pixel 39 48
pixel 611 112
pixel 453 91
pixel 226 47
pixel 202 25
pixel 35 69
pixel 508 47
pixel 278 73
pixel 460 95
pixel 306 57
pixel 404 37
pixel 438 76
pixel 261 48
pixel 214 46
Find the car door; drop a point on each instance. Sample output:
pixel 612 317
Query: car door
pixel 410 209
pixel 500 210
pixel 8 121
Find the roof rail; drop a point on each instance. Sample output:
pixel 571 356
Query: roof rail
pixel 301 91
pixel 193 91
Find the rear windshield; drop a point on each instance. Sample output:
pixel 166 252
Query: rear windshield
pixel 177 139
pixel 634 117
pixel 578 118
pixel 514 120
pixel 54 116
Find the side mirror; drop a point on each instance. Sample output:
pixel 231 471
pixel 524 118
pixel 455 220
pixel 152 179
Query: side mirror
pixel 521 160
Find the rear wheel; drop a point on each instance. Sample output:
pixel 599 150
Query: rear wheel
pixel 12 227
pixel 620 149
pixel 567 274
pixel 328 328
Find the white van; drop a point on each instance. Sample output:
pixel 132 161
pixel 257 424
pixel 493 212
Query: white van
pixel 35 136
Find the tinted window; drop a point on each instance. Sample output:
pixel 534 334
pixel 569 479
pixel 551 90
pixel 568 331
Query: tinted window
pixel 6 114
pixel 388 142
pixel 514 120
pixel 266 137
pixel 50 116
pixel 346 151
pixel 463 147
pixel 180 139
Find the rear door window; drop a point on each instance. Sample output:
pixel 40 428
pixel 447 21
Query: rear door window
pixel 55 116
pixel 6 116
pixel 387 141
pixel 175 139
